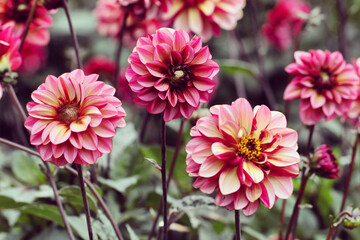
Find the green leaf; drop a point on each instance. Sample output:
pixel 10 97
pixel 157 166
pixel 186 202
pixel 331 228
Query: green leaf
pixel 72 194
pixel 9 203
pixel 27 169
pixel 132 234
pixel 44 211
pixel 233 66
pixel 103 228
pixel 119 185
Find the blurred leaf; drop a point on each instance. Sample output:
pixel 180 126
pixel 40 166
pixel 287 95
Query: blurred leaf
pixel 132 234
pixel 9 203
pixel 153 161
pixel 73 195
pixel 103 228
pixel 233 66
pixel 27 169
pixel 11 216
pixel 52 233
pixel 253 234
pixel 119 185
pixel 44 211
pixel 192 202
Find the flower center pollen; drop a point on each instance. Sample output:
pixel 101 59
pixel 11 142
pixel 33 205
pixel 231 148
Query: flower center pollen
pixel 249 148
pixel 68 113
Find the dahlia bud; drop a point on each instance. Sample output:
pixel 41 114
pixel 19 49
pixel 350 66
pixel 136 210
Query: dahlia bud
pixel 352 221
pixel 324 163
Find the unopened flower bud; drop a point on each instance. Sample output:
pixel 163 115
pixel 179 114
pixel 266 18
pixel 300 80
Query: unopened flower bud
pixel 324 163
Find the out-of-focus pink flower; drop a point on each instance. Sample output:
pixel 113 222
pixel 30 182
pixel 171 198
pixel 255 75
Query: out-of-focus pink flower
pixel 205 17
pixel 72 118
pixel 1 91
pixel 105 67
pixel 140 29
pixel 15 13
pixel 34 58
pixel 353 114
pixel 246 155
pixel 170 73
pixel 52 4
pixel 325 83
pixel 10 58
pixel 324 163
pixel 110 15
pixel 283 22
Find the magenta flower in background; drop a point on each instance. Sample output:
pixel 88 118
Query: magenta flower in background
pixel 284 22
pixel 105 67
pixel 73 118
pixel 246 155
pixel 10 58
pixel 171 73
pixel 324 163
pixel 205 18
pixel 353 114
pixel 324 82
pixel 34 58
pixel 15 13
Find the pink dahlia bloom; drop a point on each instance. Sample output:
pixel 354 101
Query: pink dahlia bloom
pixel 170 73
pixel 205 17
pixel 324 163
pixel 283 22
pixel 72 118
pixel 353 114
pixel 15 13
pixel 34 58
pixel 324 82
pixel 246 155
pixel 10 58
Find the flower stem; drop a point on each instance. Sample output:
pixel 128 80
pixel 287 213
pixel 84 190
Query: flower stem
pixel 172 167
pixel 27 25
pixel 237 225
pixel 260 57
pixel 341 6
pixel 304 178
pixel 348 179
pixel 58 202
pixel 118 51
pixel 163 175
pixel 16 101
pixel 282 217
pixel 73 35
pixel 85 201
pixel 72 171
pixel 331 231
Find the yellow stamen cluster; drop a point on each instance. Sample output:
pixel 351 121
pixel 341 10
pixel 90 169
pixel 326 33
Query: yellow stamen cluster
pixel 249 148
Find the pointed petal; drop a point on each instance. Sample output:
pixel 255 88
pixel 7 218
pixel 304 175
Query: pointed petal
pixel 229 181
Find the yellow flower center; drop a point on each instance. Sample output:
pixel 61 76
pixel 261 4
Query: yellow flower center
pixel 249 148
pixel 325 77
pixel 4 63
pixel 68 113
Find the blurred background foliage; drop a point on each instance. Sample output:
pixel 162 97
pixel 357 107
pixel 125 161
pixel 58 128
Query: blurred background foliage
pixel 130 184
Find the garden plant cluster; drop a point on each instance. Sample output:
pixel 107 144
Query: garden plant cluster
pixel 179 119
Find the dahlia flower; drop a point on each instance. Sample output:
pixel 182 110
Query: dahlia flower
pixel 245 154
pixel 205 17
pixel 15 13
pixel 324 163
pixel 353 114
pixel 72 118
pixel 170 73
pixel 34 58
pixel 284 22
pixel 324 82
pixel 10 58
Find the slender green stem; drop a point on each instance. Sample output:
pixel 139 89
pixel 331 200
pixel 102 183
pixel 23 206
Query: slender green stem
pixel 85 201
pixel 304 178
pixel 27 25
pixel 72 171
pixel 171 170
pixel 348 179
pixel 118 51
pixel 58 201
pixel 237 225
pixel 73 35
pixel 163 177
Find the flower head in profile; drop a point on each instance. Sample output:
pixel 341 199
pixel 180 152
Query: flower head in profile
pixel 171 73
pixel 324 82
pixel 245 154
pixel 73 118
pixel 284 22
pixel 324 163
pixel 10 58
pixel 205 18
pixel 15 13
